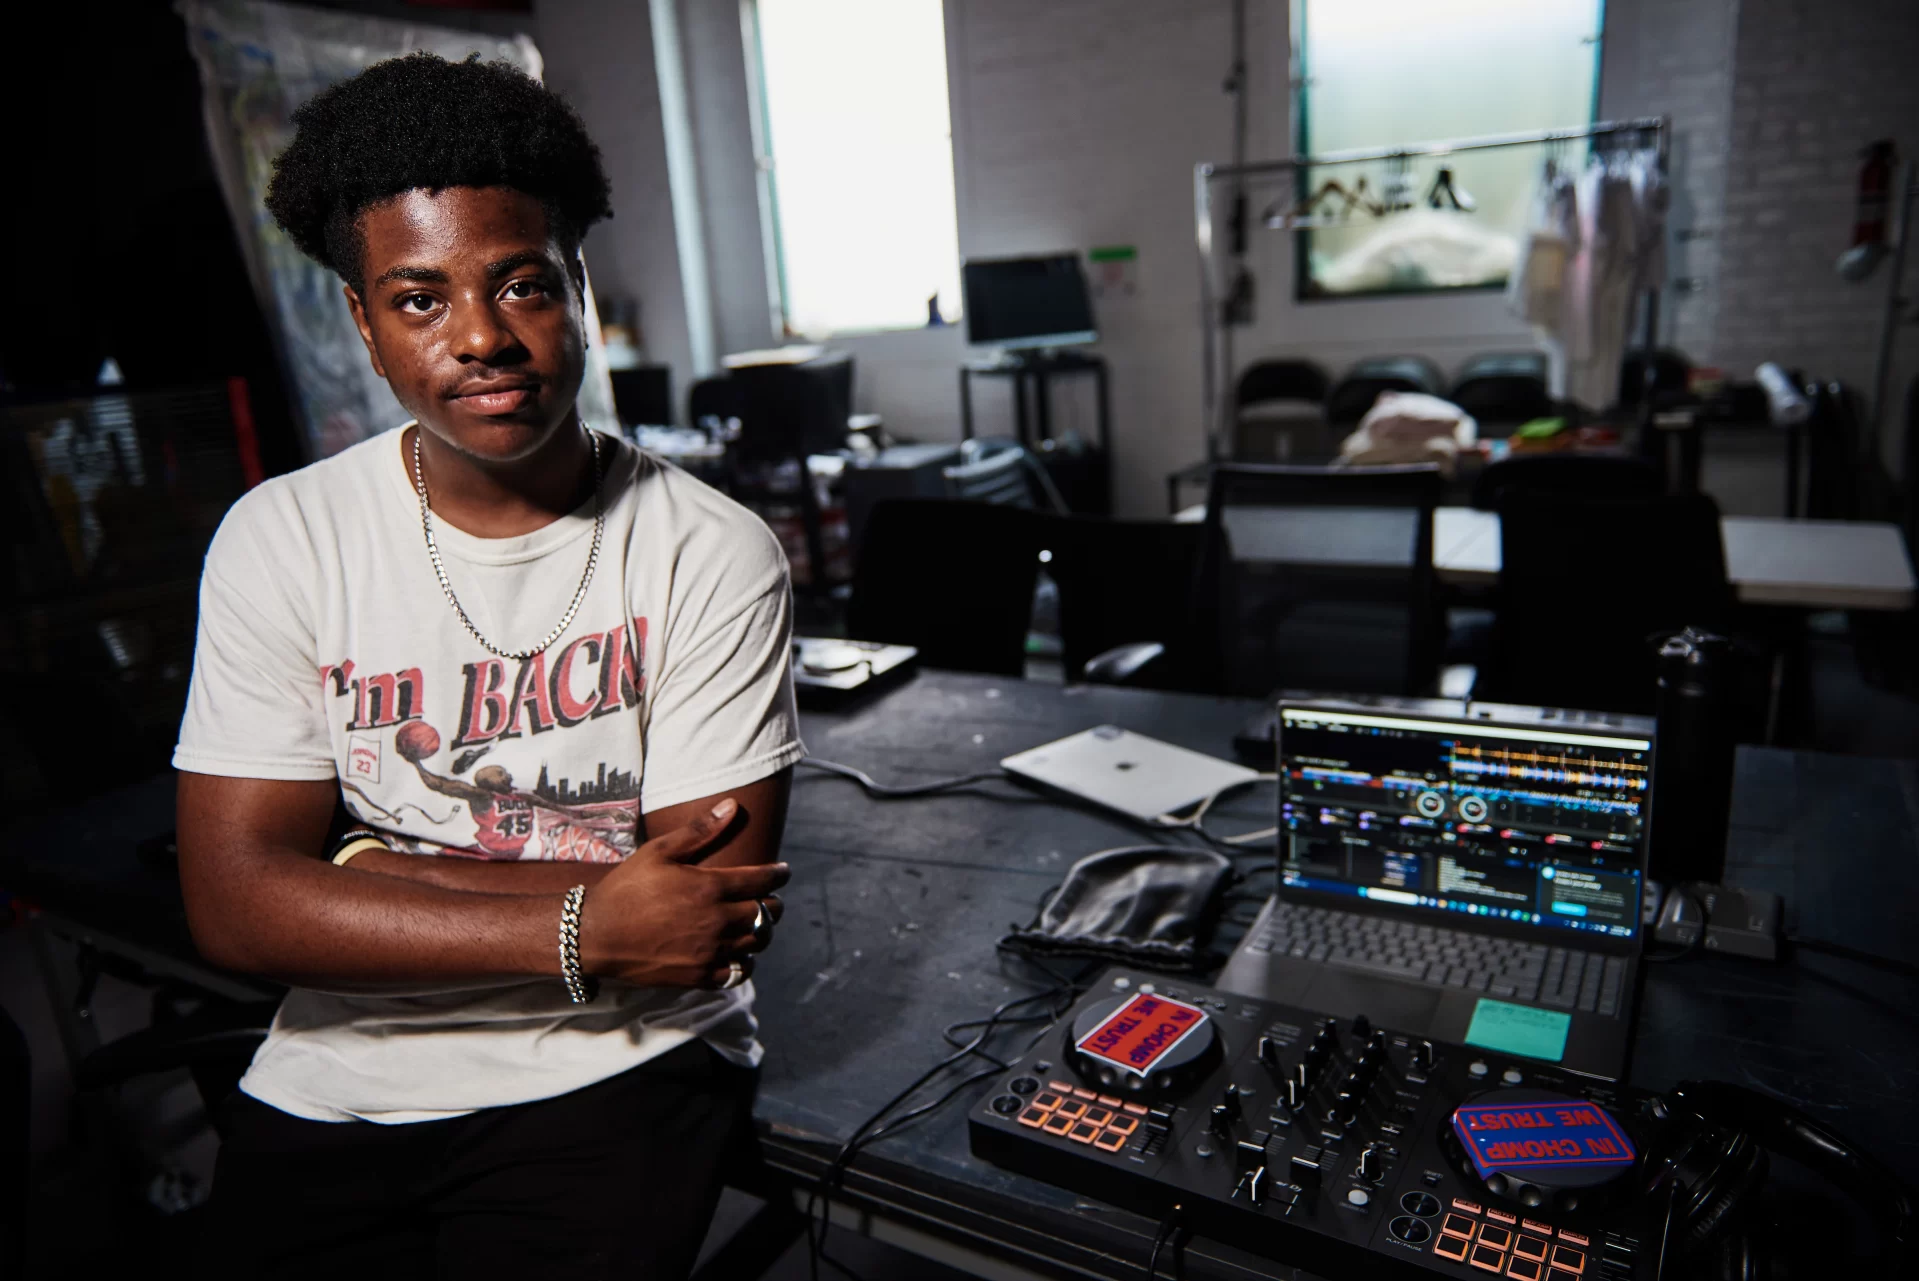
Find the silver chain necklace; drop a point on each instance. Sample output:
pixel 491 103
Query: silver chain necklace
pixel 439 568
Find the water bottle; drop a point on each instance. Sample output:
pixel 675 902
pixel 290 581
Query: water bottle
pixel 1692 774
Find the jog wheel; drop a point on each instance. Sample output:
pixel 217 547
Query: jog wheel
pixel 1143 1044
pixel 1539 1149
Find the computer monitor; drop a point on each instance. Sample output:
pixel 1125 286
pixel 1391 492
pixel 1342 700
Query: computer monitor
pixel 1027 302
pixel 1533 828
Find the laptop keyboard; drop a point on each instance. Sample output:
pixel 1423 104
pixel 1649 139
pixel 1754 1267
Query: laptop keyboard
pixel 1438 957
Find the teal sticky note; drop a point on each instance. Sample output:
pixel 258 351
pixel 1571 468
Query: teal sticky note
pixel 1519 1029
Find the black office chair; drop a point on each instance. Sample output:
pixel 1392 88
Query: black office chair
pixel 1273 401
pixel 1503 390
pixel 1670 370
pixel 1354 394
pixel 1886 644
pixel 215 1042
pixel 1001 471
pixel 643 395
pixel 16 1150
pixel 1125 600
pixel 954 579
pixel 1587 584
pixel 788 412
pixel 1266 380
pixel 1320 578
pixel 715 400
pixel 1578 475
pixel 1833 471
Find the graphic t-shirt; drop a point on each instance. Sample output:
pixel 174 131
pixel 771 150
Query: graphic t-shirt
pixel 328 650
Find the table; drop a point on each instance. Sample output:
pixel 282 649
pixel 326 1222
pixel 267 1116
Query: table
pixel 898 903
pixel 895 906
pixel 1807 564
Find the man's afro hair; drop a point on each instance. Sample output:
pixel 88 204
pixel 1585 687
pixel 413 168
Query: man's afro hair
pixel 423 122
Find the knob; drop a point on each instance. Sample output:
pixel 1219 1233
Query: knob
pixel 1346 1107
pixel 1295 1095
pixel 1423 1055
pixel 1362 1026
pixel 1328 1032
pixel 1229 1103
pixel 1221 1123
pixel 1269 1057
pixel 1371 1165
pixel 1304 1072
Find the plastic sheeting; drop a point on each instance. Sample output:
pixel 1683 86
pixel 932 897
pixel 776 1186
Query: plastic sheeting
pixel 258 62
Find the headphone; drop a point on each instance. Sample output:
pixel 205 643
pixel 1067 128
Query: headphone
pixel 1712 1157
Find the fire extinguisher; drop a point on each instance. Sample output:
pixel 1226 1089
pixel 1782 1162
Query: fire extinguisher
pixel 1875 193
pixel 1875 204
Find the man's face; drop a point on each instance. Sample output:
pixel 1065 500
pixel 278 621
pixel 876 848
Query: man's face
pixel 473 314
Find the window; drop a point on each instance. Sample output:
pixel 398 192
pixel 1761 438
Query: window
pixel 1373 73
pixel 856 144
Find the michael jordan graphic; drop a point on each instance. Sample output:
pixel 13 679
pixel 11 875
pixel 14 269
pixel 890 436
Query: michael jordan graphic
pixel 596 823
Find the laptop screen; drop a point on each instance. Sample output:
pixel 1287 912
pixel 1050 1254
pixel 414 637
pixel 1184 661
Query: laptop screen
pixel 1533 826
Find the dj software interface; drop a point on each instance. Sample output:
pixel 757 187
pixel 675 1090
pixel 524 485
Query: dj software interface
pixel 1526 825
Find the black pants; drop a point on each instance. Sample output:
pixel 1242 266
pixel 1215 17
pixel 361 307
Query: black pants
pixel 615 1180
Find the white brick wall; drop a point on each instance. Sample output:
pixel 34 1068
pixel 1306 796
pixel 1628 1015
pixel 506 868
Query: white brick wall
pixel 1813 81
pixel 1674 58
pixel 1078 122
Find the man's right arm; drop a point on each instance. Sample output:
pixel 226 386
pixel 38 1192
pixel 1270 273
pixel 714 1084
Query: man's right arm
pixel 259 900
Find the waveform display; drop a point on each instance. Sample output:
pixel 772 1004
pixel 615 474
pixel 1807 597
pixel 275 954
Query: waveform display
pixel 1549 774
pixel 1548 766
pixel 1559 800
pixel 1359 778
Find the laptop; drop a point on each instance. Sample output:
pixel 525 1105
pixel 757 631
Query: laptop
pixel 1138 776
pixel 1468 872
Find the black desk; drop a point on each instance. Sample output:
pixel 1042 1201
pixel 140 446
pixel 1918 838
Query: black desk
pixel 894 908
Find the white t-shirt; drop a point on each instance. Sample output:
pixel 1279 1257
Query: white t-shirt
pixel 326 643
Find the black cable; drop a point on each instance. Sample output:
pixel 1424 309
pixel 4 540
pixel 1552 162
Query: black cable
pixel 884 792
pixel 1169 1228
pixel 865 1132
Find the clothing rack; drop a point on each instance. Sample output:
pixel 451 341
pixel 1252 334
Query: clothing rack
pixel 1645 131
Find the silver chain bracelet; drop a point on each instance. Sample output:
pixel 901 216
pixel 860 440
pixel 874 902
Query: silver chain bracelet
pixel 578 986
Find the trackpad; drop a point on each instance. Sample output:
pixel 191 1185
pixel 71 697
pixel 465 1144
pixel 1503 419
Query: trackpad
pixel 1399 1006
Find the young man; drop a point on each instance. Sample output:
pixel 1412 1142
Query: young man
pixel 550 674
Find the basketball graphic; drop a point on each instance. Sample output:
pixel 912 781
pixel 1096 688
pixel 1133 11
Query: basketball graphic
pixel 416 740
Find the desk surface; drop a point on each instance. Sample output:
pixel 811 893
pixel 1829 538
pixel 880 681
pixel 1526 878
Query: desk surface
pixel 895 906
pixel 1811 564
pixel 1817 564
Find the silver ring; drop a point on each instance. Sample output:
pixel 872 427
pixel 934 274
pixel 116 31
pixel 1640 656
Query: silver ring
pixel 762 923
pixel 735 975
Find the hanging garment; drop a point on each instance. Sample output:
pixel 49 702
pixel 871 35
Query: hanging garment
pixel 1536 291
pixel 1601 283
pixel 1652 197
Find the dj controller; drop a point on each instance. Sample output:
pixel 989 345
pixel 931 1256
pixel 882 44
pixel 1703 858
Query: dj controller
pixel 1332 1145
